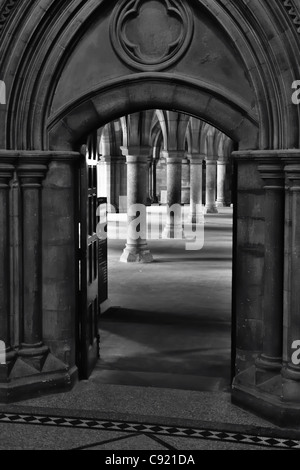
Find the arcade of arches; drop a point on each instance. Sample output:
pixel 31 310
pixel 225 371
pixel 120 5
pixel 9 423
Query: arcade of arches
pixel 188 103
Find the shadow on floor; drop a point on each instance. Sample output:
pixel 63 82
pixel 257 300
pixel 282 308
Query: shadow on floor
pixel 163 350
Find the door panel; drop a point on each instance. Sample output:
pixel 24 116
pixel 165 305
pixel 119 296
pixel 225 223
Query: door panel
pixel 89 307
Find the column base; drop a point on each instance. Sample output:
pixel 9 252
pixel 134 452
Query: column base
pixel 25 375
pixel 267 368
pixel 7 363
pixel 172 232
pixel 136 255
pixel 34 355
pixel 221 204
pixel 37 385
pixel 291 384
pixel 211 209
pixel 276 399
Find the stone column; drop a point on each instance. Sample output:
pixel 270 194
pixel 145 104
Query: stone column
pixel 149 181
pixel 106 179
pixel 291 369
pixel 6 174
pixel 137 175
pixel 221 183
pixel 186 178
pixel 196 167
pixel 173 227
pixel 120 187
pixel 154 185
pixel 156 157
pixel 211 186
pixel 31 175
pixel 270 361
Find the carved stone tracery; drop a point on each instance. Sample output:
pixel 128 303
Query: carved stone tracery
pixel 151 34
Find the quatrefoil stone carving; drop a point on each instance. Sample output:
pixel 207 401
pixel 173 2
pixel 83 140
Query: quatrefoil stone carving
pixel 151 34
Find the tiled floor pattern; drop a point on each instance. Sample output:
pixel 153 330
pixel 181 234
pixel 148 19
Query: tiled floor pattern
pixel 100 434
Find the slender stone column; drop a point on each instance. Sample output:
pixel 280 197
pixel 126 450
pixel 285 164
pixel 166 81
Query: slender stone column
pixel 291 369
pixel 149 181
pixel 270 361
pixel 31 175
pixel 186 182
pixel 221 183
pixel 106 179
pixel 120 184
pixel 211 186
pixel 156 153
pixel 6 174
pixel 173 227
pixel 154 197
pixel 111 178
pixel 137 249
pixel 196 166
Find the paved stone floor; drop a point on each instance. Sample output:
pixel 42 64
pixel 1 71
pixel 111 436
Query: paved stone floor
pixel 97 416
pixel 163 380
pixel 170 324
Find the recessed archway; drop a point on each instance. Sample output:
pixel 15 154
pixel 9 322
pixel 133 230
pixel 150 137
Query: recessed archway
pixel 164 327
pixel 69 126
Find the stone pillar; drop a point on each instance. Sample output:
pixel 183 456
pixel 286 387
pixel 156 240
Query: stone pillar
pixel 211 186
pixel 31 176
pixel 154 197
pixel 173 227
pixel 270 361
pixel 6 174
pixel 31 367
pixel 291 368
pixel 149 181
pixel 60 264
pixel 221 183
pixel 111 180
pixel 106 178
pixel 155 163
pixel 196 167
pixel 120 187
pixel 186 186
pixel 137 175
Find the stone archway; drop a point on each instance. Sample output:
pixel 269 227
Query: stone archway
pixel 143 91
pixel 77 80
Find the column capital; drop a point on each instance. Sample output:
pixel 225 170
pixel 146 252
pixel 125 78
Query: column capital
pixel 292 169
pixel 173 156
pixel 105 159
pixel 143 151
pixel 211 158
pixel 196 158
pixel 222 160
pixel 271 169
pixel 258 154
pixel 211 161
pixel 17 156
pixel 136 160
pixel 112 159
pixel 6 174
pixel 31 174
pixel 292 172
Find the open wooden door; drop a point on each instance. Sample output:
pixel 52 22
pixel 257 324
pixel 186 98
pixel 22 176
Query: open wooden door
pixel 89 304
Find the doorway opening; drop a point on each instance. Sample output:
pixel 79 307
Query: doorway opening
pixel 168 323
